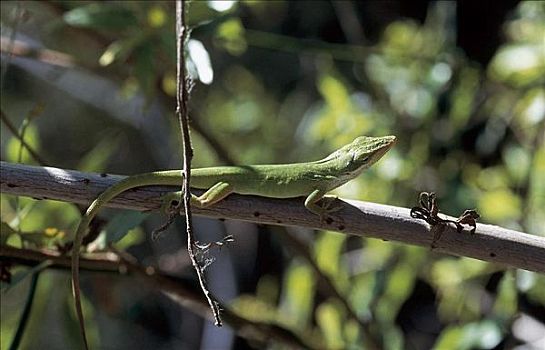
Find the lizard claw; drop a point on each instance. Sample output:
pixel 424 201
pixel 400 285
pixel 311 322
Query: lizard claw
pixel 327 207
pixel 327 204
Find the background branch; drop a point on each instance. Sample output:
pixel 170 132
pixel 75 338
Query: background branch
pixel 489 243
pixel 183 292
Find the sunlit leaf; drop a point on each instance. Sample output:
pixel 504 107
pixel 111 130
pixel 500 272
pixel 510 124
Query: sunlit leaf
pixel 267 289
pixel 168 84
pixel 97 158
pixel 133 237
pixel 485 334
pixel 5 232
pixel 463 96
pixel 14 146
pixel 399 285
pixel 361 294
pixel 505 306
pixel 482 335
pixel 121 223
pixel 401 36
pixel 201 61
pixel 517 162
pixel 298 295
pixel 499 205
pixel 254 308
pixel 531 109
pixel 157 17
pixel 535 293
pixel 335 93
pixel 341 118
pixel 222 5
pixel 331 323
pixel 519 64
pixel 200 13
pixel 106 16
pixel 230 36
pixel 328 250
pixel 120 50
pixel 144 68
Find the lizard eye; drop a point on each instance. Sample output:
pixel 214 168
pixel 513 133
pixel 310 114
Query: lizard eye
pixel 366 159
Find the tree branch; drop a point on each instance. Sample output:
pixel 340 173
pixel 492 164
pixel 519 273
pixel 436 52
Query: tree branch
pixel 489 243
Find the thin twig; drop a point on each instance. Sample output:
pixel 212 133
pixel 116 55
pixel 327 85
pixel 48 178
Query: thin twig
pixel 25 315
pixel 31 293
pixel 11 42
pixel 183 118
pixel 15 133
pixel 348 20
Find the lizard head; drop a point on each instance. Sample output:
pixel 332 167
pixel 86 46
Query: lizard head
pixel 359 155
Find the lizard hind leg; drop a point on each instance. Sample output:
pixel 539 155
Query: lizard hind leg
pixel 214 194
pixel 171 202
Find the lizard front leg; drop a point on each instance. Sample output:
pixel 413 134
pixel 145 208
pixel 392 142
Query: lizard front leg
pixel 311 203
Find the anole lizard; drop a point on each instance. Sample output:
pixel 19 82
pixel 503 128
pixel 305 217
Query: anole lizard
pixel 311 180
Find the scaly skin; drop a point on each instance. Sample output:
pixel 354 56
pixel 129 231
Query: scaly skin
pixel 312 179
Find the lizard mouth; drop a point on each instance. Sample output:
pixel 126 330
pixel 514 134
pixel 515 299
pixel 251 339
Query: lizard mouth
pixel 390 141
pixel 383 146
pixel 364 158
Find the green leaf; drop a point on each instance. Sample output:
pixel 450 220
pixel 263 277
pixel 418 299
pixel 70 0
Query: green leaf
pixel 20 276
pixel 122 223
pixel 481 335
pixel 518 64
pixel 505 306
pixel 254 309
pixel 14 145
pixel 5 232
pixel 199 61
pixel 231 36
pixel 200 13
pixel 120 50
pixel 328 249
pixel 101 16
pixel 499 205
pixel 331 322
pixel 299 286
pixel 449 338
pixel 97 158
pixel 144 68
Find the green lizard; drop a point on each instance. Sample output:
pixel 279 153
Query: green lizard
pixel 312 180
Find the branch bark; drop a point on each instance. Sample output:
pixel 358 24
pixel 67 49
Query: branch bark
pixel 489 243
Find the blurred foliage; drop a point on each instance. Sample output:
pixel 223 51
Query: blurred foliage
pixel 269 88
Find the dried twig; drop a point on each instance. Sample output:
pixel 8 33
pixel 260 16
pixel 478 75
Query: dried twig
pixel 182 112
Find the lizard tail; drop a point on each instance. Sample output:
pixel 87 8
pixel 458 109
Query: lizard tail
pixel 110 193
